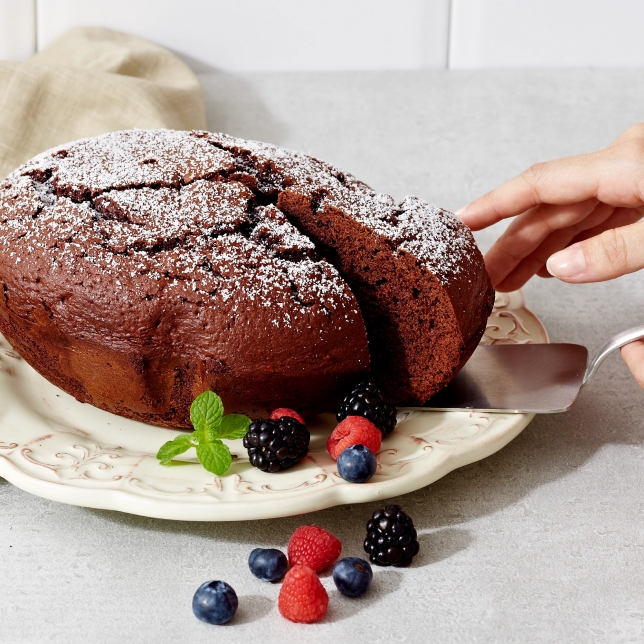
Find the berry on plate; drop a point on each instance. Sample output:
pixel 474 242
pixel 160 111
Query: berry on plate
pixel 281 412
pixel 268 564
pixel 391 538
pixel 302 597
pixel 215 602
pixel 357 464
pixel 354 430
pixel 352 576
pixel 313 547
pixel 366 400
pixel 275 445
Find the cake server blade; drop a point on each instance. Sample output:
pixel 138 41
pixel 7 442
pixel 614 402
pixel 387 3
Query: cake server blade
pixel 524 378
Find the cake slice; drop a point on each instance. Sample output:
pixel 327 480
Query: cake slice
pixel 415 269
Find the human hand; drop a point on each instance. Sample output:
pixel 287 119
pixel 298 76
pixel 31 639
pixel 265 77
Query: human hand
pixel 587 204
pixel 577 219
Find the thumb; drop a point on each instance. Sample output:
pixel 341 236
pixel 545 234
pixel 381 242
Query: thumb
pixel 633 355
pixel 613 253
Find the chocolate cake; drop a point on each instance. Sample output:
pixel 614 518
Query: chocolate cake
pixel 141 268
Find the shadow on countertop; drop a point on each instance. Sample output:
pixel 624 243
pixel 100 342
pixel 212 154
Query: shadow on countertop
pixel 385 582
pixel 234 106
pixel 550 448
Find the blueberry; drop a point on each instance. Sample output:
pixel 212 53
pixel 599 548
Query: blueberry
pixel 268 564
pixel 357 464
pixel 215 602
pixel 352 576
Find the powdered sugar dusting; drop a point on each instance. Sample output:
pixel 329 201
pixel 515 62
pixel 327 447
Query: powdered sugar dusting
pixel 435 237
pixel 131 158
pixel 159 216
pixel 192 217
pixel 279 234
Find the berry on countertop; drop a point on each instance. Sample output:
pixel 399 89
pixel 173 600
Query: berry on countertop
pixel 302 597
pixel 366 400
pixel 391 538
pixel 215 602
pixel 313 547
pixel 354 430
pixel 352 576
pixel 357 464
pixel 275 445
pixel 276 414
pixel 268 564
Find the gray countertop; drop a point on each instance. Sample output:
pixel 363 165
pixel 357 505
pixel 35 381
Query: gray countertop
pixel 541 542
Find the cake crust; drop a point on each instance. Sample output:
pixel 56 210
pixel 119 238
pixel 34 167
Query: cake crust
pixel 138 272
pixel 141 268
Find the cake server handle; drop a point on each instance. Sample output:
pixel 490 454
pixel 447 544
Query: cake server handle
pixel 615 342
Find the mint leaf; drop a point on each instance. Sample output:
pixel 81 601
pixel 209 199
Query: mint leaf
pixel 175 447
pixel 206 412
pixel 207 417
pixel 234 426
pixel 214 456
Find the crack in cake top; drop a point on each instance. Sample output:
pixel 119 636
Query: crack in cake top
pixel 195 215
pixel 436 237
pixel 163 211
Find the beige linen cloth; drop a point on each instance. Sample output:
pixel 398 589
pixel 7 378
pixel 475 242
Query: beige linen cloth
pixel 91 81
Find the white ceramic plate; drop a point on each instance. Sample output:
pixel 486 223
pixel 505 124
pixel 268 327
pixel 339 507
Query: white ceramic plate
pixel 55 447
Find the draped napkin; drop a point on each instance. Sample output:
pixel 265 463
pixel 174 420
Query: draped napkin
pixel 90 81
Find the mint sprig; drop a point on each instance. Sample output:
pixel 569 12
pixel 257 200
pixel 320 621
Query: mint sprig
pixel 175 447
pixel 206 413
pixel 210 424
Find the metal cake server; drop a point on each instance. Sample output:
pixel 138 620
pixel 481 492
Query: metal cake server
pixel 524 378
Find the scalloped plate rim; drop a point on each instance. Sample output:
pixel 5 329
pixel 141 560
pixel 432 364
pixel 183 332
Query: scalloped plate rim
pixel 119 500
pixel 446 459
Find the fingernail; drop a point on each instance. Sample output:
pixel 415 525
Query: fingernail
pixel 460 211
pixel 567 263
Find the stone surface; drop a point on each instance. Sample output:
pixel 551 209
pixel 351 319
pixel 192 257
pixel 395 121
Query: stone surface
pixel 541 542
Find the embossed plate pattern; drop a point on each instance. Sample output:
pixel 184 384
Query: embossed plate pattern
pixel 55 447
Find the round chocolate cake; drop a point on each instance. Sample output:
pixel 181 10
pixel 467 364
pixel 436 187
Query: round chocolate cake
pixel 141 268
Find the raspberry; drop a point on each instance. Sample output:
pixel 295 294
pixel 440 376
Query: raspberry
pixel 302 597
pixel 313 547
pixel 354 430
pixel 276 414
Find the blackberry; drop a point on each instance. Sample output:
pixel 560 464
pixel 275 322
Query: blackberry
pixel 274 445
pixel 391 538
pixel 366 400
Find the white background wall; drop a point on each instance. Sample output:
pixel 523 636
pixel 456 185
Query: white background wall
pixel 546 33
pixel 278 35
pixel 262 35
pixel 17 29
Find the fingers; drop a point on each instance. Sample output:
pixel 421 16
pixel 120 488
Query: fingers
pixel 614 176
pixel 620 217
pixel 633 355
pixel 602 218
pixel 543 272
pixel 613 253
pixel 563 181
pixel 633 132
pixel 529 231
